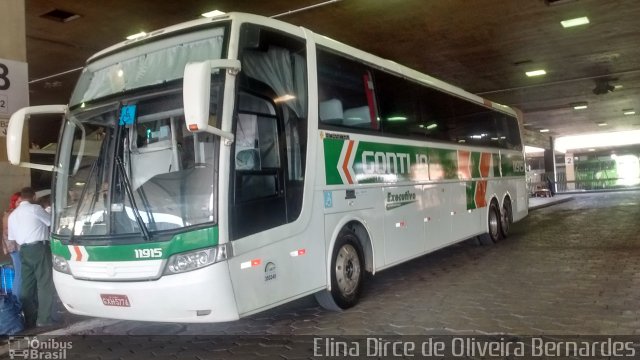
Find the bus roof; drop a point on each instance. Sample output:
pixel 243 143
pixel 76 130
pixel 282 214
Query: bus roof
pixel 322 40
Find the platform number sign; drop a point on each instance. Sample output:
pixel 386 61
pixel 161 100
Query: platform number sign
pixel 13 90
pixel 5 83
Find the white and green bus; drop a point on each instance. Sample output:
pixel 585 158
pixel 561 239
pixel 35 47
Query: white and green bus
pixel 221 167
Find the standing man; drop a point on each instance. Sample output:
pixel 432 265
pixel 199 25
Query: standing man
pixel 29 227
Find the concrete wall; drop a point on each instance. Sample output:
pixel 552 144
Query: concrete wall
pixel 12 47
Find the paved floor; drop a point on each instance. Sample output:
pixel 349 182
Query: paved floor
pixel 571 268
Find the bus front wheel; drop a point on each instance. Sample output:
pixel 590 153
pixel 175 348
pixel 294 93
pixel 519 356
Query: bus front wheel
pixel 347 274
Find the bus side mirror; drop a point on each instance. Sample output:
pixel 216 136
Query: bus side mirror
pixel 197 94
pixel 16 127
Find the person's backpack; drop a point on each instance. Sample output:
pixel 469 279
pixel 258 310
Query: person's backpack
pixel 11 321
pixel 6 279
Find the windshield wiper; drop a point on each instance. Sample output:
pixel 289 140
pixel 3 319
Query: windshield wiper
pixel 94 166
pixel 129 191
pixel 147 208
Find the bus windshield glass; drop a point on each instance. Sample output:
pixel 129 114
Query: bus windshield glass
pixel 131 167
pixel 145 65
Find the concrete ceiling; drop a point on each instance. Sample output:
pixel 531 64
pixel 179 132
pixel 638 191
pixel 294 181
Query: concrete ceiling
pixel 483 46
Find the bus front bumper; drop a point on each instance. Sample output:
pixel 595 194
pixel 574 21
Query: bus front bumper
pixel 203 295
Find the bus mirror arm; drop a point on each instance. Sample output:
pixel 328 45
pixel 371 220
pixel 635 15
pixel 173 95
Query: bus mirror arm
pixel 15 130
pixel 197 94
pixel 223 134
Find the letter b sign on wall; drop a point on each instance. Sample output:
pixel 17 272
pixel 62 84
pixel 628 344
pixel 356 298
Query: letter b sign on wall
pixel 14 90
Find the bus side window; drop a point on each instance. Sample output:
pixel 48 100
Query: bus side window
pixel 345 93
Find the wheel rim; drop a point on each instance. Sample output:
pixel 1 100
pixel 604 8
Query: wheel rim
pixel 493 224
pixel 505 219
pixel 347 269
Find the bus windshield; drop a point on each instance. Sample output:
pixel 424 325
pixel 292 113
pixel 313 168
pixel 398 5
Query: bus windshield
pixel 131 167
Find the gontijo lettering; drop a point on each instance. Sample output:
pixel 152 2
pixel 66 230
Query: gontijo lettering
pixel 389 162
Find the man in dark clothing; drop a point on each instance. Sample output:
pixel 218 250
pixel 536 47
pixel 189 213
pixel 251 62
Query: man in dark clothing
pixel 552 189
pixel 29 227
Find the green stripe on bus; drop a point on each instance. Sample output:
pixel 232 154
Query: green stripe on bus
pixel 496 165
pixel 512 165
pixel 475 164
pixel 352 161
pixel 443 164
pixel 332 149
pixel 369 163
pixel 187 241
pixel 58 249
pixel 471 195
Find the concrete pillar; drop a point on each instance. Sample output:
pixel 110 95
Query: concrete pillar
pixel 570 171
pixel 550 163
pixel 12 47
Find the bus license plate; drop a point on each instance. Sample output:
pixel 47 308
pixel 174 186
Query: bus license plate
pixel 115 300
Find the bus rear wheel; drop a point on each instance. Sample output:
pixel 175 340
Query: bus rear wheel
pixel 495 232
pixel 347 274
pixel 506 217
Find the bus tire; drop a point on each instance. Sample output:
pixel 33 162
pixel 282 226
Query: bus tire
pixel 506 217
pixel 347 274
pixel 495 233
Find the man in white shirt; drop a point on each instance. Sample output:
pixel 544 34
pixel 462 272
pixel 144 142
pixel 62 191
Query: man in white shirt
pixel 29 227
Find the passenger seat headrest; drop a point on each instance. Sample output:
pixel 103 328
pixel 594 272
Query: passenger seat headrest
pixel 331 111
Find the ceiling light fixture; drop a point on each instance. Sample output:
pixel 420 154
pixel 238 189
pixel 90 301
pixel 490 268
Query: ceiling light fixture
pixel 539 72
pixel 629 112
pixel 575 22
pixel 544 130
pixel 213 13
pixel 139 35
pixel 580 105
pixel 432 126
pixel 592 149
pixel 602 124
pixel 617 87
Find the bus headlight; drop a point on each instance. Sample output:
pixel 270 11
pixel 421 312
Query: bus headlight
pixel 196 259
pixel 60 264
